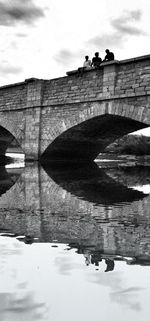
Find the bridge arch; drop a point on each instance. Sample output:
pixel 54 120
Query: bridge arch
pixel 89 131
pixel 9 132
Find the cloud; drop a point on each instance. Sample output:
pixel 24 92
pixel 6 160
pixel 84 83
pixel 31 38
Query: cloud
pixel 123 27
pixel 128 297
pixel 106 40
pixel 128 16
pixel 7 69
pixel 18 11
pixel 64 57
pixel 21 35
pixel 123 23
pixel 14 44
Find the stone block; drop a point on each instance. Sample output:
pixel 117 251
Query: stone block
pixel 138 93
pixel 129 91
pixel 130 94
pixel 74 87
pixel 135 85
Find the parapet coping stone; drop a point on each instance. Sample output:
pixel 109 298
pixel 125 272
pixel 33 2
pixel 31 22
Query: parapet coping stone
pixel 69 73
pixel 26 81
pixel 112 62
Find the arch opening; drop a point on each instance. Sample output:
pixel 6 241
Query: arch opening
pixel 83 142
pixel 8 143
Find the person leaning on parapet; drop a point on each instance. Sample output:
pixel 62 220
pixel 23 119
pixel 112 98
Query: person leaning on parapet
pixel 96 60
pixel 109 55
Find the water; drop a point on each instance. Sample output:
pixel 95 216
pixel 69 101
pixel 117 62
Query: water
pixel 75 242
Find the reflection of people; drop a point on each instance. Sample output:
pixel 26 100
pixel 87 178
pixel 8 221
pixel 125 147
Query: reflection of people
pixel 87 63
pixel 96 258
pixel 28 239
pixel 110 265
pixel 87 258
pixel 109 55
pixel 96 61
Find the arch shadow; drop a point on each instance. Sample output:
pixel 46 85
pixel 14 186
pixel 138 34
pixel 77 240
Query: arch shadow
pixel 83 142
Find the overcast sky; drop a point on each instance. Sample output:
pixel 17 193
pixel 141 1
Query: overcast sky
pixel 46 38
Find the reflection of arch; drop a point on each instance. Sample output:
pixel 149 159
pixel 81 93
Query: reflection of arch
pixel 92 184
pixel 85 136
pixel 7 180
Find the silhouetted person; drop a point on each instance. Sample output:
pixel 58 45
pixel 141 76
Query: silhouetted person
pixel 96 61
pixel 110 265
pixel 109 55
pixel 87 63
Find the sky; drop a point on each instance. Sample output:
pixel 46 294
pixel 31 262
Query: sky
pixel 47 38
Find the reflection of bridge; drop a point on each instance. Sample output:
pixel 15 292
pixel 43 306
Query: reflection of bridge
pixel 76 117
pixel 36 206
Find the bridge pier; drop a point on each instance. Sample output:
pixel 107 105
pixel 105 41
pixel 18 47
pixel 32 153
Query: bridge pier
pixel 31 144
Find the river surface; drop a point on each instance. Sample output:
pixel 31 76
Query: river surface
pixel 75 242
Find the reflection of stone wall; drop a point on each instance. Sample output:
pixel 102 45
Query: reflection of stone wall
pixel 25 192
pixel 37 206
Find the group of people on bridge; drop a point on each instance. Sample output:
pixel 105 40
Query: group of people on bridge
pixel 96 60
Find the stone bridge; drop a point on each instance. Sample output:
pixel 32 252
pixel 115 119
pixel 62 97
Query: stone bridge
pixel 77 116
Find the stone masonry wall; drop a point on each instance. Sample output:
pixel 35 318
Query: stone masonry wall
pixel 20 110
pixel 115 79
pixel 37 111
pixel 73 89
pixel 13 97
pixel 133 78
